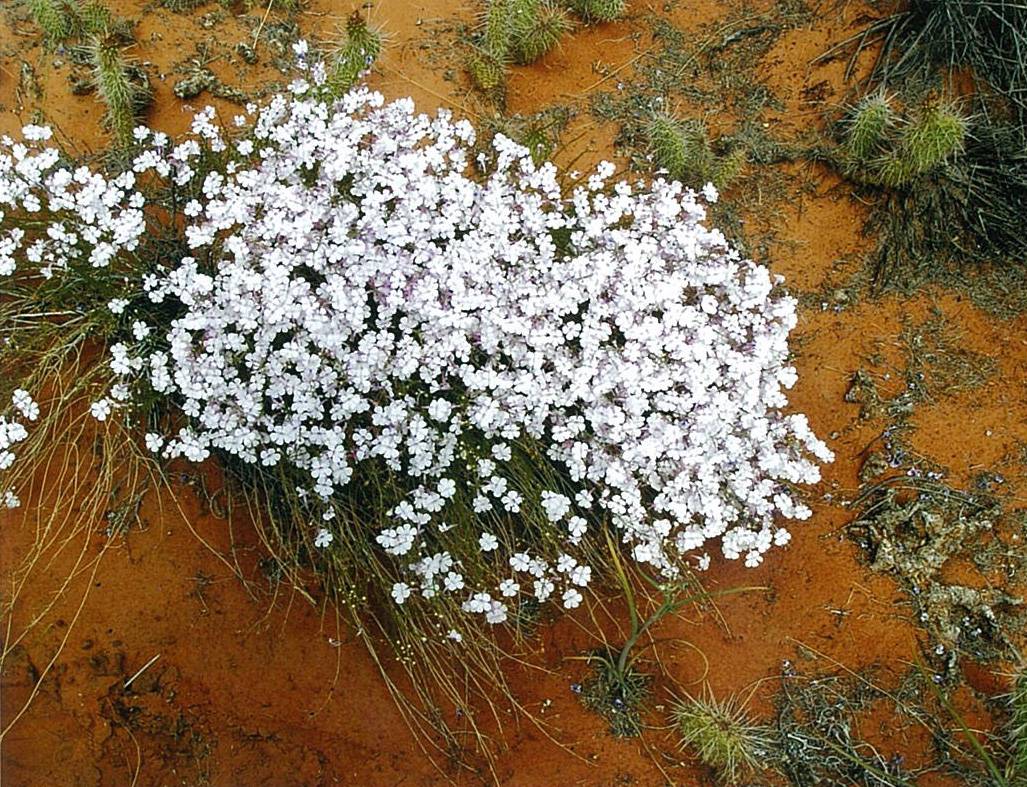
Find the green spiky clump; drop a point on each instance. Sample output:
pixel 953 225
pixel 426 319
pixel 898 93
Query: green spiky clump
pixel 722 736
pixel 181 6
pixel 363 46
pixel 487 72
pixel 892 170
pixel 936 134
pixel 95 19
pixel 682 148
pixel 498 28
pixel 729 167
pixel 599 10
pixel 53 19
pixel 116 89
pixel 868 126
pixel 537 28
pixel 1018 730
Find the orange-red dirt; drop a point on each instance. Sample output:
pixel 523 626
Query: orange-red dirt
pixel 251 688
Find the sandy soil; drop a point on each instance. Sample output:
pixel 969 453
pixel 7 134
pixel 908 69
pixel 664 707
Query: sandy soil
pixel 254 687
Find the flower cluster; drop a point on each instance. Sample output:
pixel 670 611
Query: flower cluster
pixel 356 301
pixel 12 432
pixel 90 219
pixel 520 368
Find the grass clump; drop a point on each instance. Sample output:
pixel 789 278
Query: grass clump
pixel 363 45
pixel 723 735
pixel 599 10
pixel 618 696
pixel 617 689
pixel 989 37
pixel 684 149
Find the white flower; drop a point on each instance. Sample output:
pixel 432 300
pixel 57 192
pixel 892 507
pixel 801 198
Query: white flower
pixel 496 613
pixel 400 592
pixel 571 598
pixel 11 500
pixel 520 561
pixel 543 589
pixel 100 409
pixel 509 587
pixel 440 410
pixel 447 487
pixel 577 527
pixel 325 537
pixel 581 575
pixel 24 404
pixel 488 542
pixel 453 581
pixel 512 501
pixel 478 603
pixel 154 442
pixel 556 506
pixel 117 305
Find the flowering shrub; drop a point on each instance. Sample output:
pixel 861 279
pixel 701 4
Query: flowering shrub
pixel 479 376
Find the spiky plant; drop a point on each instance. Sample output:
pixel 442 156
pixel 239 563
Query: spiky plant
pixel 53 19
pixel 94 19
pixel 722 735
pixel 497 25
pixel 599 10
pixel 1018 730
pixel 867 127
pixel 729 167
pixel 113 78
pixel 936 134
pixel 538 26
pixel 682 147
pixel 182 6
pixel 488 74
pixel 891 170
pixel 362 47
